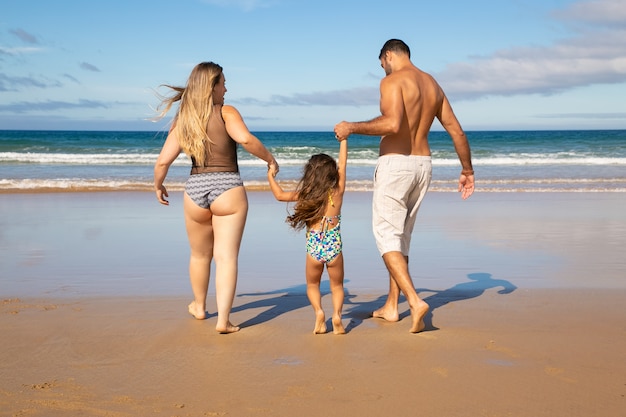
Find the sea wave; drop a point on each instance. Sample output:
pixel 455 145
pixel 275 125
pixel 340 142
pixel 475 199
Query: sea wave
pixel 144 159
pixel 519 185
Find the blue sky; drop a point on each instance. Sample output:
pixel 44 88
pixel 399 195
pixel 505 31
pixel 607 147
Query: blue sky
pixel 306 65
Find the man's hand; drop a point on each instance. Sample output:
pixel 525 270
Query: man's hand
pixel 342 131
pixel 466 185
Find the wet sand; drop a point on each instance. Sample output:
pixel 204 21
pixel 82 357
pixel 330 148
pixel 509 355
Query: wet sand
pixel 526 294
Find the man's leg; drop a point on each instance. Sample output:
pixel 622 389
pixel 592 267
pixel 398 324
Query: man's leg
pixel 389 311
pixel 398 267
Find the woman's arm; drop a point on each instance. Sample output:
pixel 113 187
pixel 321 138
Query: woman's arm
pixel 279 193
pixel 238 130
pixel 170 151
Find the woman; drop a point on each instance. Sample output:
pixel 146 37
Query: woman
pixel 215 201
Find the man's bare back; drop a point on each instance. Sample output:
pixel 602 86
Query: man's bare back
pixel 410 100
pixel 422 99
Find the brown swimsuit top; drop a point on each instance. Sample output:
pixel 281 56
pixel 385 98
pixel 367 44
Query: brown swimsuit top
pixel 221 155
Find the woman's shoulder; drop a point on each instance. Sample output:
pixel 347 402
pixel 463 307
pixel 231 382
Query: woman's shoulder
pixel 228 109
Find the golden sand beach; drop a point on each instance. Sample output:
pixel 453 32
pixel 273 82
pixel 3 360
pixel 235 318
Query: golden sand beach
pixel 527 296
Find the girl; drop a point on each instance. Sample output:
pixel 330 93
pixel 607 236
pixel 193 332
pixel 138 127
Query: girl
pixel 318 197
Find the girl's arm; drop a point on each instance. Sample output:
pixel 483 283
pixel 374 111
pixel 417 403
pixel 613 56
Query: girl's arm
pixel 342 163
pixel 278 192
pixel 238 130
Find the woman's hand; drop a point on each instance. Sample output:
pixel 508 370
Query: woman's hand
pixel 161 193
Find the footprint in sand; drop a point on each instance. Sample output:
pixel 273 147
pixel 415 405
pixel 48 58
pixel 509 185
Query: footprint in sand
pixel 558 373
pixel 501 349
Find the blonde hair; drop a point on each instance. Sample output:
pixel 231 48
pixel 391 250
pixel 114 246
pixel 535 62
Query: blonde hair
pixel 194 112
pixel 320 178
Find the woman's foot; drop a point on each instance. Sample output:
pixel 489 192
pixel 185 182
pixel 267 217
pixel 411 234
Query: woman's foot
pixel 197 311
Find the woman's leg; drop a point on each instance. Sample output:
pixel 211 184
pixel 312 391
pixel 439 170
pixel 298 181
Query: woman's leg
pixel 335 275
pixel 229 219
pixel 198 222
pixel 314 270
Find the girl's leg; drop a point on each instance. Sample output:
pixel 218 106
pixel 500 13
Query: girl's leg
pixel 335 275
pixel 314 270
pixel 198 222
pixel 229 219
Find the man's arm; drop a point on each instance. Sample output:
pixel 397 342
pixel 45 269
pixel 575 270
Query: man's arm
pixel 390 120
pixel 461 145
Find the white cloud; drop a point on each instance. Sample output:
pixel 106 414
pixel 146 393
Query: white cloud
pixel 51 105
pixel 89 67
pixel 364 96
pixel 602 12
pixel 24 36
pixel 15 83
pixel 19 50
pixel 593 54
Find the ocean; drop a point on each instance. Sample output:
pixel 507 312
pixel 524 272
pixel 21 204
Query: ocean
pixel 504 161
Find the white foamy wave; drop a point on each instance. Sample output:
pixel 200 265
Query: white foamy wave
pixel 83 159
pixel 296 159
pixel 538 160
pixel 554 185
pixel 69 184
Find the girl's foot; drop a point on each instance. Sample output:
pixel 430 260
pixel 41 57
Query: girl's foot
pixel 338 326
pixel 320 323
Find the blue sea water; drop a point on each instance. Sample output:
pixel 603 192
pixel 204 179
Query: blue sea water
pixel 510 161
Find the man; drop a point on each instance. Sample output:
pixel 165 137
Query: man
pixel 410 100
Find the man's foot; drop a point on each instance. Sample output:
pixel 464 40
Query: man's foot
pixel 320 323
pixel 417 314
pixel 229 328
pixel 387 313
pixel 197 311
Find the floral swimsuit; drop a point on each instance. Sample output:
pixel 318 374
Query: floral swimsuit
pixel 325 245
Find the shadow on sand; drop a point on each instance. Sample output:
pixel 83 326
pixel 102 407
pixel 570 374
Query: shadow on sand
pixel 284 300
pixel 476 286
pixel 293 298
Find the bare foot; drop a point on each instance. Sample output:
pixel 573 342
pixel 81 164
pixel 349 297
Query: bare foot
pixel 229 328
pixel 338 326
pixel 197 311
pixel 320 323
pixel 388 314
pixel 417 314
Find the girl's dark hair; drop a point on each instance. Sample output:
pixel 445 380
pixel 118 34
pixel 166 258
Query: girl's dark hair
pixel 320 177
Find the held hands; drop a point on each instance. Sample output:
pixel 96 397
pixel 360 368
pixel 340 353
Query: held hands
pixel 342 131
pixel 466 184
pixel 272 168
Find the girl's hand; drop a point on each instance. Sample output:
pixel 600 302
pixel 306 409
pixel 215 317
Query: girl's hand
pixel 273 168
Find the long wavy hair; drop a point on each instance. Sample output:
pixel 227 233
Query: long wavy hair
pixel 196 106
pixel 320 177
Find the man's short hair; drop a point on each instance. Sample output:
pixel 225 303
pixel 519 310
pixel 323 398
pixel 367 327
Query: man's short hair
pixel 395 45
